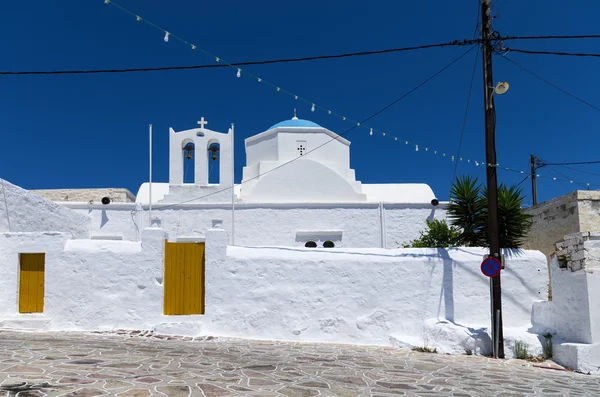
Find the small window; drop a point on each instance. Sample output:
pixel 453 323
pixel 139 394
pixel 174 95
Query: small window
pixel 328 244
pixel 310 244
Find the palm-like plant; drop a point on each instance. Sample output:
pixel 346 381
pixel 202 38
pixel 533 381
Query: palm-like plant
pixel 513 222
pixel 468 211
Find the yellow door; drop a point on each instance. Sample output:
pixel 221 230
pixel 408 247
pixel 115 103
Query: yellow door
pixel 31 283
pixel 184 278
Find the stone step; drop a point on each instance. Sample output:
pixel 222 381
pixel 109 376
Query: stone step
pixel 23 323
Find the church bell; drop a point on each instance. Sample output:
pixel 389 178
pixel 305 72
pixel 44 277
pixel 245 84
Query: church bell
pixel 214 150
pixel 188 151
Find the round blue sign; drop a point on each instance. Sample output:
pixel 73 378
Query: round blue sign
pixel 491 267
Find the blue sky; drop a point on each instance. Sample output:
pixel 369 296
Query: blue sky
pixel 77 131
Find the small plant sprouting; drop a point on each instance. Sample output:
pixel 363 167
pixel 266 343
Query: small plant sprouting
pixel 548 345
pixel 425 349
pixel 521 350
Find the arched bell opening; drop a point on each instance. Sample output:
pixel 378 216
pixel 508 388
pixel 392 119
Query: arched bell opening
pixel 189 157
pixel 214 163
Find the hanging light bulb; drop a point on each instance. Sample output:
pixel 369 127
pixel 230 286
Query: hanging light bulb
pixel 344 118
pixel 239 72
pixel 167 37
pixel 217 59
pixel 395 138
pixel 383 133
pixel 358 124
pixel 329 111
pixel 416 148
pixel 138 19
pixel 296 97
pixel 106 1
pixel 193 47
pixel 259 79
pixel 452 158
pixel 371 131
pixel 278 89
pixel 312 109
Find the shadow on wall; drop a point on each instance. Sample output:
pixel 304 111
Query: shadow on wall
pixel 104 219
pixel 447 288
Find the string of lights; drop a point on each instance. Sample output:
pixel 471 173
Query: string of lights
pixel 313 106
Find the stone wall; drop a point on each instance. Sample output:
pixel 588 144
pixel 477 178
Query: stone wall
pixel 575 212
pixel 116 195
pixel 552 220
pixel 579 251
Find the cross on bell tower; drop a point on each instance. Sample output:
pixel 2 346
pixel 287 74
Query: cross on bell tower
pixel 202 122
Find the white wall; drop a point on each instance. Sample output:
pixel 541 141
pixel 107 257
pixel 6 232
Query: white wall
pixel 23 211
pixel 90 285
pixel 257 224
pixel 360 296
pixel 343 295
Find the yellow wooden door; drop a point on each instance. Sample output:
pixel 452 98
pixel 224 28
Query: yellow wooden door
pixel 184 278
pixel 31 283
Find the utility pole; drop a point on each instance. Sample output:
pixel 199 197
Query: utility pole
pixel 533 161
pixel 492 178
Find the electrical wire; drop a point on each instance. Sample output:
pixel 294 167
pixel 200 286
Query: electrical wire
pixel 571 54
pixel 578 170
pixel 330 140
pixel 524 179
pixel 264 62
pixel 570 180
pixel 551 84
pixel 574 163
pixel 462 131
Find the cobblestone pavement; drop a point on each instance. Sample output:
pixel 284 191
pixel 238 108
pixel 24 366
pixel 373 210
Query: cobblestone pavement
pixel 92 364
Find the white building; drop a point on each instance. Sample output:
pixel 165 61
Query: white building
pixel 297 187
pixel 300 250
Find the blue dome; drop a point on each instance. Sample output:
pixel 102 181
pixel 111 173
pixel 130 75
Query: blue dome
pixel 296 122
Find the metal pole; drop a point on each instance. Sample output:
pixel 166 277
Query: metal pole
pixel 232 187
pixel 491 168
pixel 533 180
pixel 150 178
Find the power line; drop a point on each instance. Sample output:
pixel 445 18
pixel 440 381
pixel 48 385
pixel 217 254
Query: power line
pixel 305 59
pixel 332 139
pixel 548 37
pixel 573 163
pixel 551 84
pixel 246 63
pixel 571 54
pixel 462 130
pixel 578 170
pixel 570 180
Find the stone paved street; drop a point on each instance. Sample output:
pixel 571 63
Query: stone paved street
pixel 92 364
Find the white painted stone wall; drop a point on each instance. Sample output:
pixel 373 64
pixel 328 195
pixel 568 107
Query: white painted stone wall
pixel 23 211
pixel 363 296
pixel 270 224
pixel 573 315
pixel 360 295
pixel 90 285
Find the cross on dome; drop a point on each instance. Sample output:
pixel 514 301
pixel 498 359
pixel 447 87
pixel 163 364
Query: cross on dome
pixel 202 122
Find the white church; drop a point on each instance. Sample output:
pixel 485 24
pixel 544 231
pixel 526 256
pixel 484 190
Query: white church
pixel 297 189
pixel 298 251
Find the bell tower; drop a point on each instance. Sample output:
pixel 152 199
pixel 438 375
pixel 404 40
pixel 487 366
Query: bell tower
pixel 202 149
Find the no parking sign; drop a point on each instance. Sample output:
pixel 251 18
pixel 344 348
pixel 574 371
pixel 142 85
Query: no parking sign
pixel 491 267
